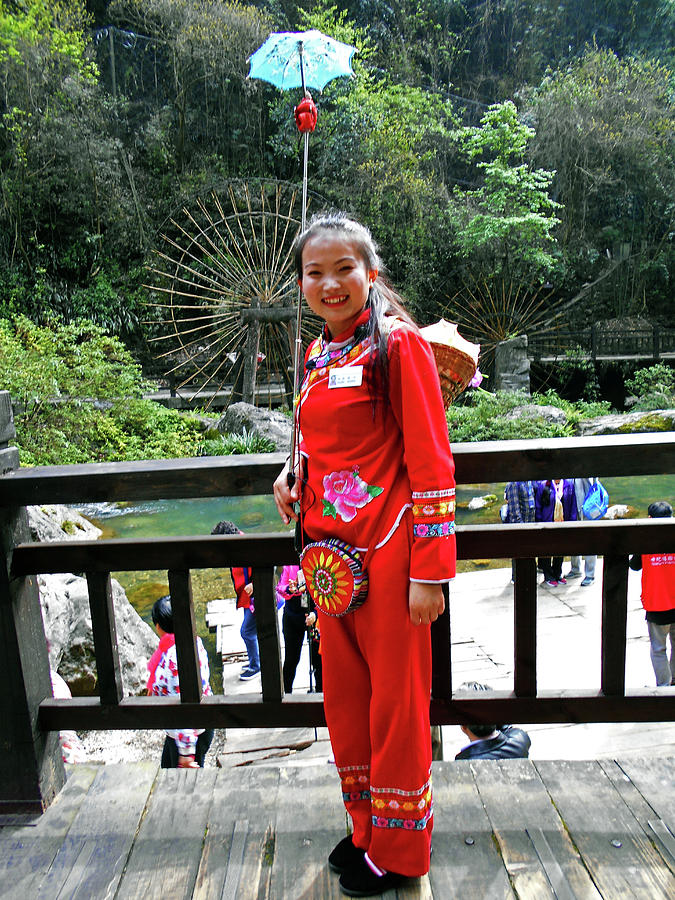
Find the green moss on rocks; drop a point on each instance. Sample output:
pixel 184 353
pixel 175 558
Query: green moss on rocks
pixel 647 423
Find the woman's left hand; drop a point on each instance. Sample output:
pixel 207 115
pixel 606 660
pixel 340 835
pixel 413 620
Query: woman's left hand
pixel 425 602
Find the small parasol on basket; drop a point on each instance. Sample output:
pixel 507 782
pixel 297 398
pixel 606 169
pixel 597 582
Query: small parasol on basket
pixel 456 358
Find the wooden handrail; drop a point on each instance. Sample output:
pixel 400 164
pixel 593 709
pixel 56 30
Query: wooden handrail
pixel 229 476
pixel 267 550
pixel 178 555
pixel 647 342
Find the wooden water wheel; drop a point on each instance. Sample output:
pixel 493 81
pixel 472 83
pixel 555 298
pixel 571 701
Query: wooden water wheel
pixel 225 286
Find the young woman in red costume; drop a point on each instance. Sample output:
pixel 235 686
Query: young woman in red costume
pixel 377 473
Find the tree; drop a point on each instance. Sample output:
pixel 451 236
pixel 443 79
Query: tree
pixel 206 44
pixel 55 374
pixel 606 125
pixel 61 183
pixel 505 225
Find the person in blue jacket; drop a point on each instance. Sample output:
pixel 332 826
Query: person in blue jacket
pixel 491 741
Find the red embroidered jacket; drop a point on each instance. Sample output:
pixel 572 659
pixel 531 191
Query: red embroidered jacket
pixel 366 466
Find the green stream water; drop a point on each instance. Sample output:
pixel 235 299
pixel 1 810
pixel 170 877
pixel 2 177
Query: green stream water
pixel 257 514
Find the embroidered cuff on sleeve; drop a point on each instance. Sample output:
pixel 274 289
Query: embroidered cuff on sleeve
pixel 433 513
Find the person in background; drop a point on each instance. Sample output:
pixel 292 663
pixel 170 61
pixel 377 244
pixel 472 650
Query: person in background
pixel 554 501
pixel 519 496
pixel 658 600
pixel 298 618
pixel 581 488
pixel 184 748
pixel 493 741
pixel 242 579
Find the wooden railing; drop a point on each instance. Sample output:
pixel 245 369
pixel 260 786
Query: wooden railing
pixel 223 476
pixel 648 343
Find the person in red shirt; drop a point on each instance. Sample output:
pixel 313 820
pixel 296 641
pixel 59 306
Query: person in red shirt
pixel 658 600
pixel 376 473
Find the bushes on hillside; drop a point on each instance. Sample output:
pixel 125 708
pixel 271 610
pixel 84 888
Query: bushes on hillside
pixel 78 398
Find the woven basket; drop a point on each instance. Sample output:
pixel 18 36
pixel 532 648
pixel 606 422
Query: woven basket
pixel 456 358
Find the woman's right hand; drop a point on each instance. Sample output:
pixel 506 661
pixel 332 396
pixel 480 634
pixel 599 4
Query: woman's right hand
pixel 285 497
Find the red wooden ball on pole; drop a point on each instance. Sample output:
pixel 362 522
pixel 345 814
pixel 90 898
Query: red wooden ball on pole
pixel 305 115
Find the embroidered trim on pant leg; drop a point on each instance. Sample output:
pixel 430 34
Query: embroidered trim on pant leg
pixel 396 808
pixel 355 782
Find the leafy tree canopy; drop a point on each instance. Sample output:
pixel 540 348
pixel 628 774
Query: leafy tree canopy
pixel 55 28
pixel 606 126
pixel 56 374
pixel 507 222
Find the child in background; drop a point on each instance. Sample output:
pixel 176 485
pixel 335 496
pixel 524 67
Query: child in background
pixel 184 748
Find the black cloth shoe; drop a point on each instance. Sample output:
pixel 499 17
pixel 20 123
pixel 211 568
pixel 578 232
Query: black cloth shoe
pixel 345 856
pixel 361 881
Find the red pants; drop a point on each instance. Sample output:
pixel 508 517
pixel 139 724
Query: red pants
pixel 377 686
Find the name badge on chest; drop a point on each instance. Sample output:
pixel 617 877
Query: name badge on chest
pixel 347 376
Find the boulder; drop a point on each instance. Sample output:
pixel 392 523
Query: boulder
pixel 552 414
pixel 267 422
pixel 629 423
pixel 60 523
pixel 482 502
pixel 67 619
pixel 621 511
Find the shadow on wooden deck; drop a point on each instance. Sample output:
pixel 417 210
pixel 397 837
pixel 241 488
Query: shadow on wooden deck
pixel 515 828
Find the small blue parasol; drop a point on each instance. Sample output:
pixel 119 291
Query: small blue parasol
pixel 301 59
pixel 306 59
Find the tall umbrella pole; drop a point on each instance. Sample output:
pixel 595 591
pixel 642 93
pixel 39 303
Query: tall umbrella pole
pixel 298 322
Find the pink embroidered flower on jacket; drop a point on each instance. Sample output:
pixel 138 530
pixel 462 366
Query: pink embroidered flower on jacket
pixel 345 492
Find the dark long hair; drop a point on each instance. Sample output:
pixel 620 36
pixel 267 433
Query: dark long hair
pixel 383 299
pixel 162 614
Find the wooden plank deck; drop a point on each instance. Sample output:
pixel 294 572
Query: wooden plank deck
pixel 513 828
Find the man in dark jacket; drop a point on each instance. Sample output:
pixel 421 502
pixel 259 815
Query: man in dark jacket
pixel 507 742
pixel 492 741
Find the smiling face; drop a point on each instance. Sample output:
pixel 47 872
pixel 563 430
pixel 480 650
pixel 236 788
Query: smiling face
pixel 335 279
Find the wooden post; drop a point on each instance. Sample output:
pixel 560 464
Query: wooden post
pixel 525 628
pixel 30 759
pixel 656 342
pixel 267 626
pixel 614 617
pixel 251 361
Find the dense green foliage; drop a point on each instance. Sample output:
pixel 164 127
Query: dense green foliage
pixel 230 444
pixel 506 223
pixel 483 416
pixel 653 387
pixel 513 157
pixel 78 395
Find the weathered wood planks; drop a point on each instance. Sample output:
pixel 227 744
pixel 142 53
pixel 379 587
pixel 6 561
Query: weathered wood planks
pixel 239 849
pixel 520 813
pixel 617 852
pixel 26 853
pixel 503 829
pixel 465 859
pixel 166 853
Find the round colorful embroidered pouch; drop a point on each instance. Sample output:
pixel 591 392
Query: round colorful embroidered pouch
pixel 334 576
